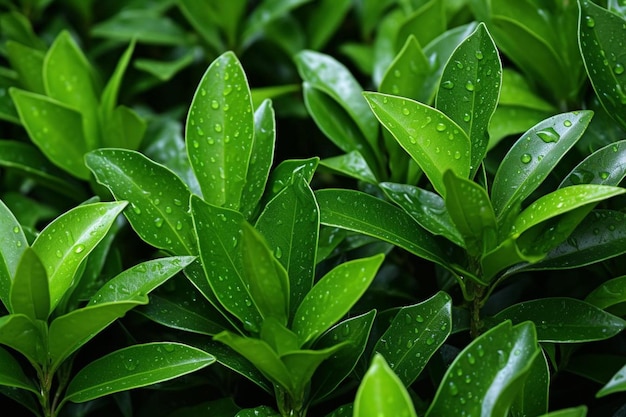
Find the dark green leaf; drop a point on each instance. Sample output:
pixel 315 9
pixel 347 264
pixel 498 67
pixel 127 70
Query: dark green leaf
pixel 144 26
pixel 165 70
pixel 12 246
pixel 610 293
pixel 568 412
pixel 407 74
pixel 24 335
pixel 533 400
pixel 264 14
pixel 425 23
pixel 616 384
pixel 287 172
pixel 261 411
pixel 111 90
pixel 325 20
pixel 28 63
pixel 11 374
pixel 29 291
pixel 351 164
pixel 204 23
pixel 606 166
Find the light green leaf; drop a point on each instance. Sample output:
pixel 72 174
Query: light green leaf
pixel 134 367
pixel 29 292
pixel 407 74
pixel 606 166
pixel 609 293
pixel 351 164
pixel 616 384
pixel 143 25
pixel 414 335
pixel 12 246
pixel 124 129
pixel 109 95
pixel 159 200
pixel 469 90
pixel 56 129
pixel 491 370
pixel 69 332
pixel 67 241
pixel 263 15
pixel 433 140
pixel 11 374
pixel 565 320
pixel 28 63
pixel 381 393
pixel 26 336
pixel 219 132
pixel 325 20
pixel 333 296
pixel 286 173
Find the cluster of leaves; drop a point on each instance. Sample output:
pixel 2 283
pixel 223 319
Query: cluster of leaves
pixel 471 263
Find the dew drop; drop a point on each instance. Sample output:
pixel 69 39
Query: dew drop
pixel 440 127
pixel 419 319
pixel 169 348
pixel 567 123
pixel 604 175
pixel 136 209
pixel 619 69
pixel 412 140
pixel 480 351
pixel 215 105
pixel 203 92
pixel 227 90
pixel 548 135
pixel 471 359
pixel 454 390
pixel 406 111
pixel 457 155
pixel 479 55
pixel 467 117
pixel 590 22
pixel 16 229
pixel 448 85
pixel 469 86
pixel 526 158
pixel 58 253
pixel 179 225
pixel 217 127
pixel 278 252
pixel 196 144
pixel 459 64
pixel 79 248
pixel 397 73
pixel 158 222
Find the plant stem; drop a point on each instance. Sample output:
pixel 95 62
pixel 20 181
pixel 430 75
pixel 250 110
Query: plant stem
pixel 476 324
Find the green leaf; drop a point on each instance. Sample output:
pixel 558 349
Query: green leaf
pixel 165 70
pixel 471 211
pixel 562 201
pixel 124 129
pixel 134 367
pixel 286 173
pixel 260 411
pixel 69 332
pixel 290 223
pixel 415 334
pixel 56 129
pixel 363 213
pixel 26 336
pixel 565 320
pixel 469 90
pixel 204 23
pixel 490 370
pixel 381 393
pixel 261 158
pixel 352 164
pixel 425 23
pixel 533 400
pixel 109 95
pixel 11 374
pixel 219 132
pixel 223 407
pixel 13 244
pixel 433 140
pixel 568 412
pixel 427 208
pixel 616 384
pixel 609 293
pixel 140 279
pixel 606 166
pixel 407 74
pixel 532 158
pixel 67 241
pixel 326 74
pixel 142 25
pixel 355 331
pixel 601 36
pixel 219 232
pixel 325 20
pixel 263 15
pixel 264 276
pixel 159 200
pixel 29 292
pixel 333 296
pixel 28 63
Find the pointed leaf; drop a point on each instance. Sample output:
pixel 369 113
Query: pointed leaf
pixel 533 157
pixel 219 132
pixel 260 411
pixel 263 15
pixel 134 367
pixel 606 166
pixel 19 332
pixel 29 292
pixel 565 320
pixel 491 370
pixel 470 88
pixel 616 384
pixel 67 241
pixel 28 63
pixel 407 74
pixel 333 296
pixel 609 293
pixel 12 246
pixel 286 172
pixel 123 128
pixel 369 215
pixel 144 25
pixel 69 332
pixel 533 400
pixel 432 139
pixel 111 90
pixel 159 200
pixel 11 374
pixel 381 393
pixel 351 164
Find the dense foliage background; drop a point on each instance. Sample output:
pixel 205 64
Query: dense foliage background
pixel 344 207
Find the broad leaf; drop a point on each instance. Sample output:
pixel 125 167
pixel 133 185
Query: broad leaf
pixel 220 132
pixel 144 26
pixel 352 164
pixel 616 384
pixel 260 411
pixel 533 400
pixel 610 293
pixel 11 374
pixel 28 63
pixel 333 296
pixel 159 200
pixel 407 74
pixel 12 246
pixel 26 336
pixel 606 166
pixel 29 292
pixel 134 367
pixel 565 320
pixel 263 15
pixel 67 241
pixel 286 173
pixel 432 139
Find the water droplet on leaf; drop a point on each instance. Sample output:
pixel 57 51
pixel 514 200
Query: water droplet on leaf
pixel 526 158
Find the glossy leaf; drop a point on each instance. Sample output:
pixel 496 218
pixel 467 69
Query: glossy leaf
pixel 264 276
pixel 426 22
pixel 381 393
pixel 616 384
pixel 470 88
pixel 568 412
pixel 290 223
pixel 325 20
pixel 532 158
pixel 220 131
pixel 144 26
pixel 29 292
pixel 165 70
pixel 264 14
pixel 331 77
pixel 433 140
pixel 491 369
pixel 69 332
pixel 352 164
pixel 159 200
pixel 606 166
pixel 609 293
pixel 123 129
pixel 338 366
pixel 219 231
pixel 286 173
pixel 26 336
pixel 67 241
pixel 562 201
pixel 414 335
pixel 533 400
pixel 471 211
pixel 28 63
pixel 111 90
pixel 261 158
pixel 565 320
pixel 56 129
pixel 427 208
pixel 204 23
pixel 601 36
pixel 140 279
pixel 11 374
pixel 12 246
pixel 407 74
pixel 369 215
pixel 333 296
pixel 260 411
pixel 134 367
